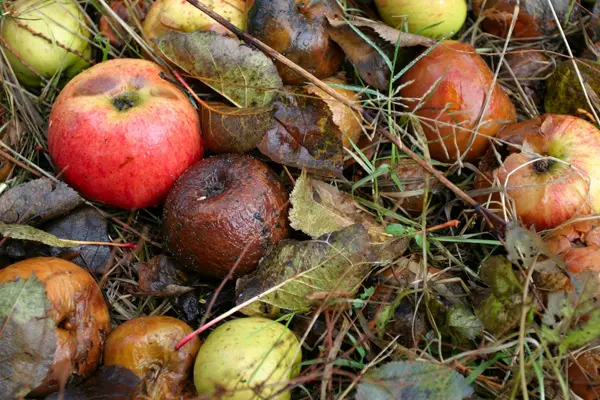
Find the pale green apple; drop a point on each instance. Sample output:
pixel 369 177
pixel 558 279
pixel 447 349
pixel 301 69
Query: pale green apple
pixel 59 21
pixel 449 15
pixel 247 359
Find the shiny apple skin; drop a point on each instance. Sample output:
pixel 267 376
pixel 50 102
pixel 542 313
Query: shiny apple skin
pixel 124 158
pixel 548 199
pixel 146 346
pixel 79 311
pixel 463 80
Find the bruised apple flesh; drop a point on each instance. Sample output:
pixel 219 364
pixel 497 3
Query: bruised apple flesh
pixel 78 310
pixel 225 211
pixel 146 346
pixel 248 359
pixel 455 81
pixel 298 30
pixel 551 171
pixel 121 135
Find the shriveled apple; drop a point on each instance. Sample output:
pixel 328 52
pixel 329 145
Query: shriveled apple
pixel 225 211
pixel 448 88
pixel 79 312
pixel 248 358
pixel 146 346
pixel 298 31
pixel 121 135
pixel 550 170
pixel 49 36
pixel 166 15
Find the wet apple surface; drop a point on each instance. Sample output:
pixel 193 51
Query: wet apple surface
pixel 122 135
pixel 225 210
pixel 79 311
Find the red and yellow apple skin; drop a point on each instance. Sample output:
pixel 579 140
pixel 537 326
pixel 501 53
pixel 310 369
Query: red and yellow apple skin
pixel 557 174
pixel 121 135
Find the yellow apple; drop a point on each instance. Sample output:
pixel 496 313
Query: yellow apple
pixel 59 22
pixel 449 15
pixel 165 15
pixel 247 359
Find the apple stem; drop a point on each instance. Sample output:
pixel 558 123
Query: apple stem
pixel 252 41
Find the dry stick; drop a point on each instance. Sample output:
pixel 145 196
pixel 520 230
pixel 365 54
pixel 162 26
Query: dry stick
pixel 250 40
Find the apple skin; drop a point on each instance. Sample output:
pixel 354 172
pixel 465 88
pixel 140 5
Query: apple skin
pixel 547 194
pixel 165 15
pixel 420 14
pixel 56 20
pixel 463 80
pixel 245 348
pixel 125 158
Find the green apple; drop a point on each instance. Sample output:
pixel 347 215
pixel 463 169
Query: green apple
pixel 246 359
pixel 59 22
pixel 448 16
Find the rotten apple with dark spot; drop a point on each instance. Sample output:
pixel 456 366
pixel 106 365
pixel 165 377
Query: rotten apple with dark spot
pixel 298 30
pixel 146 346
pixel 225 211
pixel 120 134
pixel 454 82
pixel 79 312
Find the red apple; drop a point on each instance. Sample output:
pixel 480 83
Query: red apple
pixel 552 171
pixel 122 135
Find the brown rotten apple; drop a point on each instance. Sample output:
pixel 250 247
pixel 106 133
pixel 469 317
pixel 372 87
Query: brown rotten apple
pixel 459 81
pixel 146 346
pixel 298 30
pixel 225 210
pixel 79 311
pixel 551 170
pixel 121 135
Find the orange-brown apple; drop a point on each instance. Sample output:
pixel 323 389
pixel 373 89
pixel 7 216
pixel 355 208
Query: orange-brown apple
pixel 121 135
pixel 454 81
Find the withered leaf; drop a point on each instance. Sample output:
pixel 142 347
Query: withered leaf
pixel 371 63
pixel 110 382
pixel 163 276
pixel 304 135
pixel 243 75
pixel 27 338
pixel 25 232
pixel 228 129
pixel 308 271
pixel 37 200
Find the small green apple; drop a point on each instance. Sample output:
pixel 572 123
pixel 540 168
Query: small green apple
pixel 246 359
pixel 59 22
pixel 449 15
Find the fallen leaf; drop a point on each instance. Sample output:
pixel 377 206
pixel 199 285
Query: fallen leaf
pixel 243 75
pixel 527 247
pixel 336 262
pixel 304 135
pixel 110 382
pixel 367 52
pixel 415 380
pixel 37 200
pixel 228 129
pixel 163 276
pixel 462 324
pixel 27 338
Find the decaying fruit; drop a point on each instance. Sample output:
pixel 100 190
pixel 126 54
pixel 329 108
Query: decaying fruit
pixel 111 28
pixel 79 311
pixel 531 68
pixel 534 19
pixel 555 177
pixel 298 30
pixel 146 346
pixel 459 81
pixel 584 375
pixel 177 15
pixel 248 358
pixel 225 210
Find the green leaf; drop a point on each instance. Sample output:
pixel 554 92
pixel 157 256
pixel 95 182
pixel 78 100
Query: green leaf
pixel 27 338
pixel 582 334
pixel 309 271
pixel 414 380
pixel 463 324
pixel 25 232
pixel 243 75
